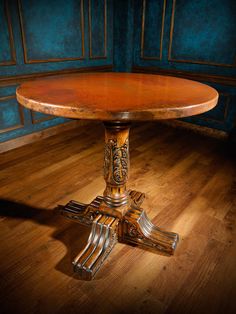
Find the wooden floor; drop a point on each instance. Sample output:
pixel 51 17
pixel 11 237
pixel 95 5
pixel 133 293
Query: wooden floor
pixel 190 182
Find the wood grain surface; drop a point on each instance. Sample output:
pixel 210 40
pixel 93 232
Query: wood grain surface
pixel 117 96
pixel 190 182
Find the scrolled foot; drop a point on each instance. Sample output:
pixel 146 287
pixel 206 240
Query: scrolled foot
pixel 138 230
pixel 102 239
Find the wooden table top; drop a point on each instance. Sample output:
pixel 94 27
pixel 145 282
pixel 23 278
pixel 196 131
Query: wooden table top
pixel 117 96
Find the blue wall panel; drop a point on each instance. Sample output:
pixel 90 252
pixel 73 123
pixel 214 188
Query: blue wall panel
pixel 97 22
pixel 196 37
pixel 11 114
pixel 222 117
pixel 40 49
pixel 42 36
pixel 152 30
pixel 123 36
pixel 7 51
pixel 52 30
pixel 203 32
pixel 192 37
pixel 16 120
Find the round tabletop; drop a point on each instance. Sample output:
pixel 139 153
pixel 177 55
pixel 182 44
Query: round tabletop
pixel 117 96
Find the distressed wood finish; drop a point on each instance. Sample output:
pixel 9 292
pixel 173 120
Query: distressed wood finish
pixel 118 97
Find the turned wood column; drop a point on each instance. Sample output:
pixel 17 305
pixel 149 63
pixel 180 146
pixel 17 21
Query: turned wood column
pixel 116 163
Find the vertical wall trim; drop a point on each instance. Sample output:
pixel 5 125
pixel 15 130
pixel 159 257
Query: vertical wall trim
pixel 30 61
pixel 225 114
pixel 11 37
pixel 34 120
pixel 91 56
pixel 21 114
pixel 183 60
pixel 143 32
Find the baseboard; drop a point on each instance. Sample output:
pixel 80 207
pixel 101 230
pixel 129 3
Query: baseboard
pixel 202 77
pixel 197 128
pixel 36 136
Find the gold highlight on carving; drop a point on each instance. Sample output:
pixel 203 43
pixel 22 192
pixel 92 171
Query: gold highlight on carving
pixel 116 159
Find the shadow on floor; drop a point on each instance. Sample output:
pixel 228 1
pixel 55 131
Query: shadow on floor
pixel 71 234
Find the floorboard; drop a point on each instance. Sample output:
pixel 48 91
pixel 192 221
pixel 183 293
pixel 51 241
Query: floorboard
pixel 190 182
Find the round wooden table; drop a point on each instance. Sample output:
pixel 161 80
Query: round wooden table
pixel 116 99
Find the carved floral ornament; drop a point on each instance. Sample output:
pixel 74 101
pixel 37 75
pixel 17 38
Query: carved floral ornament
pixel 116 161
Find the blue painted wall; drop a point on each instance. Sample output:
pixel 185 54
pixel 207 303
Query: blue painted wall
pixel 196 37
pixel 123 35
pixel 39 36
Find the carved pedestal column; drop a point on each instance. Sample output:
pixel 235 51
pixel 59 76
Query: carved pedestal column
pixel 116 164
pixel 117 215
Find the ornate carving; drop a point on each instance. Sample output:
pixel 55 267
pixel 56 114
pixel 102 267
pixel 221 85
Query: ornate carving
pixel 117 216
pixel 107 160
pixel 116 161
pixel 137 198
pixel 113 239
pixel 101 241
pixel 133 231
pixel 108 227
pixel 140 230
pixel 82 213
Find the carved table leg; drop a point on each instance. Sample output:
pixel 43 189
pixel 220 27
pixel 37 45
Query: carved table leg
pixel 101 241
pixel 117 215
pixel 139 230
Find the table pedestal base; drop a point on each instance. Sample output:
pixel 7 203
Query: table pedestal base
pixel 127 224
